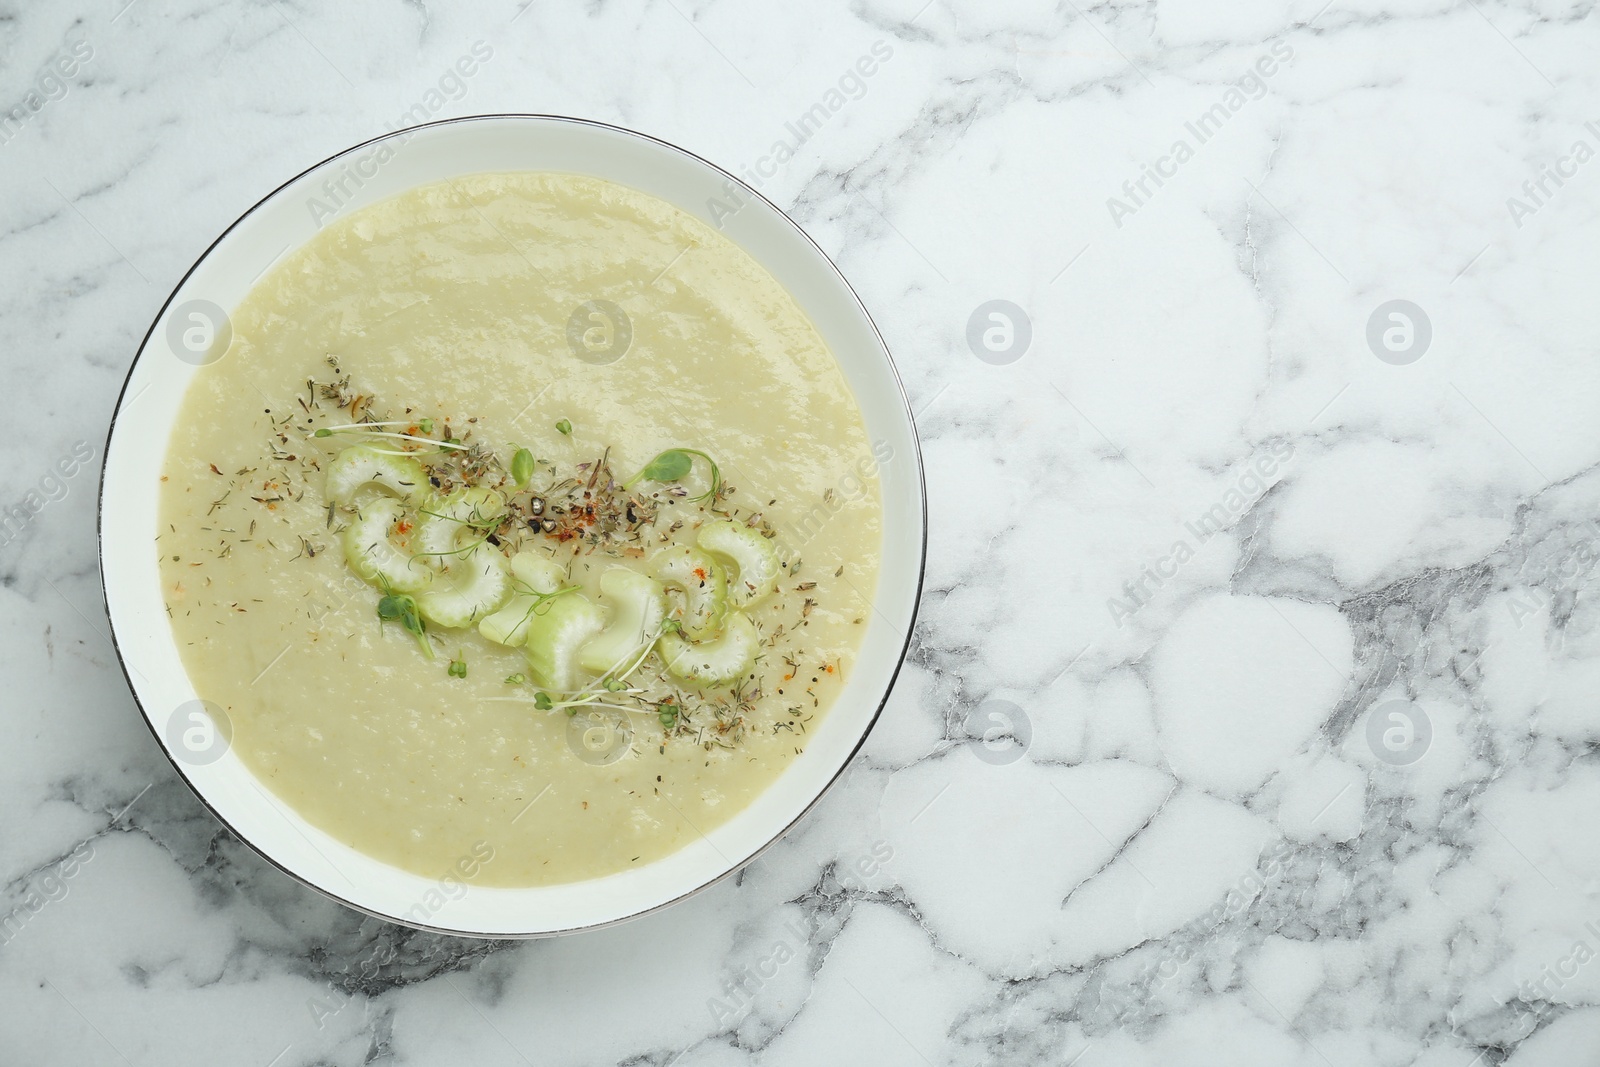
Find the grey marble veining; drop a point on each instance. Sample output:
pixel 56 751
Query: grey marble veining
pixel 1252 717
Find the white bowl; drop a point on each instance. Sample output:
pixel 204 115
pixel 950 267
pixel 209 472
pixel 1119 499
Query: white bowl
pixel 289 217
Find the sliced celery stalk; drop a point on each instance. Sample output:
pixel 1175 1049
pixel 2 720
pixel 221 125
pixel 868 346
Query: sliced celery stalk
pixel 704 585
pixel 468 588
pixel 554 637
pixel 365 465
pixel 532 574
pixel 373 554
pixel 720 661
pixel 462 518
pixel 639 604
pixel 754 559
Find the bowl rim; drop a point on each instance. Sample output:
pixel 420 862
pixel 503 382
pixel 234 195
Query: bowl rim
pixel 922 512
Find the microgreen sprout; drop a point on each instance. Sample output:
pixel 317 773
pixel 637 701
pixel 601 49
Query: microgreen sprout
pixel 613 681
pixel 672 465
pixel 462 552
pixel 522 467
pixel 366 429
pixel 543 599
pixel 541 604
pixel 564 427
pixel 515 679
pixel 402 608
pixel 458 666
pixel 476 520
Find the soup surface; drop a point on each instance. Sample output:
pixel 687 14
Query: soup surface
pixel 616 381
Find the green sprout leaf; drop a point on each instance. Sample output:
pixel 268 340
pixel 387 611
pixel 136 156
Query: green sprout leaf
pixel 425 425
pixel 515 679
pixel 672 465
pixel 522 467
pixel 458 666
pixel 543 702
pixel 402 608
pixel 564 427
pixel 669 715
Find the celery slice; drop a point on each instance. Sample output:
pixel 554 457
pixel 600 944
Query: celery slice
pixel 532 574
pixel 639 604
pixel 468 588
pixel 754 559
pixel 365 465
pixel 373 554
pixel 462 518
pixel 704 585
pixel 720 661
pixel 554 637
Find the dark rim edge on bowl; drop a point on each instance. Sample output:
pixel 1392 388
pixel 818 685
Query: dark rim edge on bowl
pixel 894 675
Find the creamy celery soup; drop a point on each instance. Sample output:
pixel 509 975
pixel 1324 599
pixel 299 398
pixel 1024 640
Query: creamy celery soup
pixel 524 517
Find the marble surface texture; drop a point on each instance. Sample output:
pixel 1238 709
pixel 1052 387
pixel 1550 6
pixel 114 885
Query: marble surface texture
pixel 1254 713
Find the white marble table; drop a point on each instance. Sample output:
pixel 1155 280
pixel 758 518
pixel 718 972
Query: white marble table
pixel 1290 604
